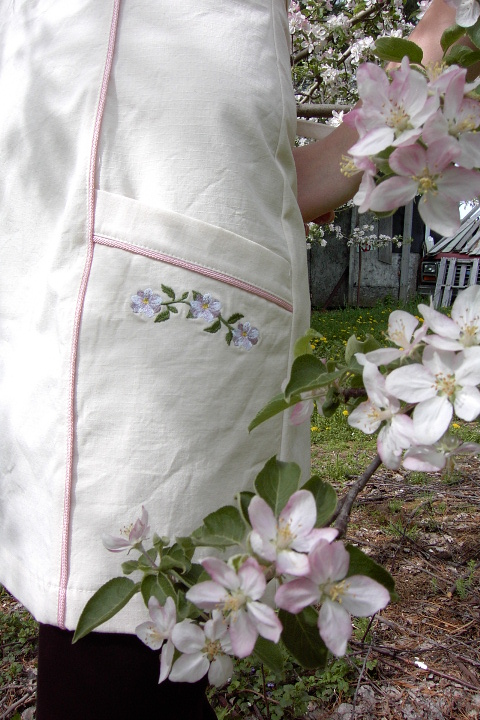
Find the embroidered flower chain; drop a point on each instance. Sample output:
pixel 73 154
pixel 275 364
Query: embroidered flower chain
pixel 204 306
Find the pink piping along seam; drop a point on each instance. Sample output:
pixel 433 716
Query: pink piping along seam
pixel 64 566
pixel 200 269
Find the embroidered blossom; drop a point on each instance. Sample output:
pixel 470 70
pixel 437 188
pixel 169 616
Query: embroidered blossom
pixel 204 650
pixel 158 633
pixel 131 536
pixel 205 307
pixel 236 595
pixel 340 596
pixel 245 335
pixel 146 302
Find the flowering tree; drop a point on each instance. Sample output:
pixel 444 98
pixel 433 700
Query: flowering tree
pixel 289 577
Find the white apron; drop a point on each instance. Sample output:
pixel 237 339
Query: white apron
pixel 146 169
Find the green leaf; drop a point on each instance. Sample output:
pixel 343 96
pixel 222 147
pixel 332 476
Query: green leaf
pixel 104 604
pixel 325 498
pixel 215 327
pixel 174 558
pixel 168 291
pixel 303 345
pixel 361 564
pixel 276 482
pixel 395 49
pixel 158 586
pixel 164 315
pixel 234 318
pixel 473 33
pixel 229 337
pixel 275 406
pixel 450 36
pixel 461 55
pixel 359 346
pixel 302 639
pixel 243 499
pixel 129 567
pixel 187 545
pixel 173 309
pixel 222 528
pixel 184 296
pixel 309 373
pixel 270 654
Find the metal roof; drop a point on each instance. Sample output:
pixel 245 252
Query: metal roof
pixel 466 241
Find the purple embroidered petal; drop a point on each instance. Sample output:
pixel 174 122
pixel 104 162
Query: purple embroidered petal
pixel 245 335
pixel 146 302
pixel 205 307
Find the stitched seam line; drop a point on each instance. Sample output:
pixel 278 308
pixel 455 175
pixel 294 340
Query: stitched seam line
pixel 64 560
pixel 200 269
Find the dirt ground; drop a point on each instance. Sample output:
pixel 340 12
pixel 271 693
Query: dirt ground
pixel 427 645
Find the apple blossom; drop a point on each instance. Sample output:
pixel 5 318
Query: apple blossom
pixel 237 594
pixel 382 407
pixel 391 113
pixel 460 330
pixel 340 596
pixel 204 649
pixel 433 458
pixel 468 11
pixel 401 331
pixel 429 172
pixel 443 382
pixel 159 632
pixel 132 536
pixel 284 541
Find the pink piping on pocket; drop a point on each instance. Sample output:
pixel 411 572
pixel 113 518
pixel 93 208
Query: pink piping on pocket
pixel 200 269
pixel 64 563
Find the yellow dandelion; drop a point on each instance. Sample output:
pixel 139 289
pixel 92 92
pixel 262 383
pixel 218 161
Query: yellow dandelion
pixel 455 425
pixel 314 428
pixel 345 412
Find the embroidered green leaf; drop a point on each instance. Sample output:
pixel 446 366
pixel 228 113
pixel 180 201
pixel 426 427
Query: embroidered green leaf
pixel 215 327
pixel 276 482
pixel 190 315
pixel 234 318
pixel 229 337
pixel 184 296
pixel 173 309
pixel 301 638
pixel 325 498
pixel 268 653
pixel 104 604
pixel 164 315
pixel 168 291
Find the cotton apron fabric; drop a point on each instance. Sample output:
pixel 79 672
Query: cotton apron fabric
pixel 146 153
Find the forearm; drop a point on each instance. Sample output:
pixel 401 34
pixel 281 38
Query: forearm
pixel 321 184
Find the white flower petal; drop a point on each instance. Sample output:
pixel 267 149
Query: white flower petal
pixel 335 627
pixel 188 637
pixel 243 634
pixel 189 668
pixel 295 595
pixel 431 419
pixel 364 596
pixel 467 403
pixel 221 668
pixel 265 620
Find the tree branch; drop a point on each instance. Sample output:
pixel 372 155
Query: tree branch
pixel 344 506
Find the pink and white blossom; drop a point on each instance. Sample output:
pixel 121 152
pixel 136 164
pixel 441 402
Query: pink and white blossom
pixel 236 594
pixel 443 382
pixel 462 329
pixel 158 632
pixel 391 113
pixel 286 540
pixel 468 11
pixel 340 596
pixel 430 173
pixel 403 332
pixel 204 650
pixel 434 458
pixel 382 407
pixel 131 536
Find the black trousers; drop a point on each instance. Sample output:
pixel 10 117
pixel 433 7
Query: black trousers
pixel 108 676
